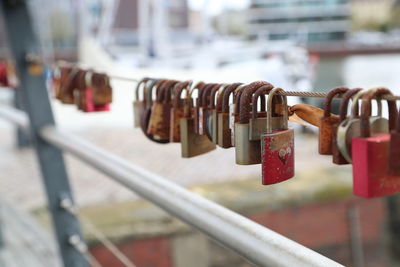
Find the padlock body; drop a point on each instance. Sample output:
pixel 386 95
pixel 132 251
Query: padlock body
pixel 174 131
pixel 159 121
pixel 85 102
pixel 370 167
pixel 325 135
pixel 258 126
pixel 247 152
pixel 224 132
pixel 193 144
pixel 277 152
pixel 394 156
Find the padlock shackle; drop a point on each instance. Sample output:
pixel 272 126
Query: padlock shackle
pixel 345 102
pixel 149 92
pixel 236 99
pixel 178 89
pixel 67 87
pixel 166 94
pixel 216 92
pixel 262 91
pixel 223 106
pixel 205 94
pixel 245 99
pixel 329 97
pixel 276 91
pixel 138 86
pixel 366 110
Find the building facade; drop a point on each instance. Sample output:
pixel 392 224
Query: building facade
pixel 300 20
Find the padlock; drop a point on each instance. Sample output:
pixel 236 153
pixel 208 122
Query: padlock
pixel 327 122
pixel 204 98
pixel 138 105
pixel 199 87
pixel 224 131
pixel 247 152
pixel 210 113
pixel 148 103
pixel 337 157
pixel 350 127
pixel 102 90
pixel 68 87
pixel 370 153
pixel 160 112
pixel 277 144
pixel 177 110
pixel 258 120
pixel 85 94
pixel 394 155
pixel 192 144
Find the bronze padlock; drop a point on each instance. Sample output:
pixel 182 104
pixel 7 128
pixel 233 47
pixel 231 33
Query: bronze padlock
pixel 337 157
pixel 177 110
pixel 247 152
pixel 224 131
pixel 192 144
pixel 327 122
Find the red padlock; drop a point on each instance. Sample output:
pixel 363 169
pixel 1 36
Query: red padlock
pixel 394 156
pixel 370 154
pixel 277 145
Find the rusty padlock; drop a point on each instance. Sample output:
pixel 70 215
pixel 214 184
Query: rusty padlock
pixel 224 131
pixel 102 90
pixel 67 89
pixel 350 127
pixel 327 122
pixel 210 113
pixel 177 110
pixel 160 112
pixel 192 144
pixel 277 144
pixel 258 120
pixel 148 103
pixel 138 104
pixel 394 155
pixel 247 152
pixel 216 107
pixel 370 153
pixel 204 98
pixel 337 157
pixel 86 94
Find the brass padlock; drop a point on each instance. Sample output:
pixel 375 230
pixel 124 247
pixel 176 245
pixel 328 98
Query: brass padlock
pixel 177 110
pixel 327 122
pixel 192 144
pixel 224 131
pixel 247 152
pixel 138 104
pixel 350 128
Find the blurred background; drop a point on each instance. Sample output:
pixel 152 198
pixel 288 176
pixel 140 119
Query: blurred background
pixel 304 45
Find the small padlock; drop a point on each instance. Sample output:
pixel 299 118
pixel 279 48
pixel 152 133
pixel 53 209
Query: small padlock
pixel 350 128
pixel 102 90
pixel 277 145
pixel 258 120
pixel 85 94
pixel 210 115
pixel 394 155
pixel 337 157
pixel 192 144
pixel 66 93
pixel 370 153
pixel 160 112
pixel 138 104
pixel 204 98
pixel 148 103
pixel 247 152
pixel 327 122
pixel 177 110
pixel 224 131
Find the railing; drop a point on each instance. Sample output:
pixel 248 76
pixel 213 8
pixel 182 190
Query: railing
pixel 252 241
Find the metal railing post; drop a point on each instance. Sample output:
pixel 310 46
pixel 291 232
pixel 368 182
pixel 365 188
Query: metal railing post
pixel 22 137
pixel 23 47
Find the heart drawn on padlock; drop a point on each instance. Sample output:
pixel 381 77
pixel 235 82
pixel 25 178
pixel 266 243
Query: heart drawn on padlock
pixel 284 154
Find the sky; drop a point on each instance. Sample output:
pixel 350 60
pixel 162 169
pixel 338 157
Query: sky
pixel 216 6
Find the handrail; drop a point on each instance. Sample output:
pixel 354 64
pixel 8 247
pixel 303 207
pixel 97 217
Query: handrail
pixel 252 241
